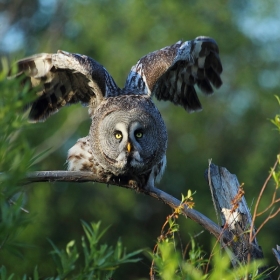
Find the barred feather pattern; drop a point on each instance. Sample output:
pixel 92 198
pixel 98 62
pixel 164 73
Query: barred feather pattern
pixel 171 73
pixel 63 79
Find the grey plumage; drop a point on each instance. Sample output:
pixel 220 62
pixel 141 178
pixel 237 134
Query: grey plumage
pixel 129 115
pixel 112 147
pixel 137 153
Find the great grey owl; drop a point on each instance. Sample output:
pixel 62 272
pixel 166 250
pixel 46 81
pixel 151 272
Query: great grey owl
pixel 127 136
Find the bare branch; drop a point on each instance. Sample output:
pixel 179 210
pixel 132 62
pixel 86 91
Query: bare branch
pixel 273 201
pixel 271 216
pixel 81 177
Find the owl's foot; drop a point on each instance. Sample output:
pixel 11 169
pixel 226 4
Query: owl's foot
pixel 141 184
pixel 134 183
pixel 125 181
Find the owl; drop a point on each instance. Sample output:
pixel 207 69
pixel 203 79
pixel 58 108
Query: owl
pixel 127 136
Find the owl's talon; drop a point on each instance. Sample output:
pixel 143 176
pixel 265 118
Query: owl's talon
pixel 134 184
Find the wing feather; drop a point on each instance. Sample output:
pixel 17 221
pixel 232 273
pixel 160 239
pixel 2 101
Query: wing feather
pixel 171 73
pixel 65 78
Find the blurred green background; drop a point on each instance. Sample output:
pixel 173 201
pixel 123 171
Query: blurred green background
pixel 233 129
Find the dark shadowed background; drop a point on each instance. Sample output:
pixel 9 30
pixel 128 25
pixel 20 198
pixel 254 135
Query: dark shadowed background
pixel 233 129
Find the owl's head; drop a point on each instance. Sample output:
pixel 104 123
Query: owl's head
pixel 128 135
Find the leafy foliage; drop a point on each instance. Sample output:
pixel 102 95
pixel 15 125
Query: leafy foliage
pixel 100 260
pixel 169 263
pixel 16 156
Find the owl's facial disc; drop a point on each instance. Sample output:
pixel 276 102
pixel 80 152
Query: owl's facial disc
pixel 128 139
pixel 125 142
pixel 129 148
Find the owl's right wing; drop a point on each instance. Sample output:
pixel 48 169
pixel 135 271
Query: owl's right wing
pixel 172 72
pixel 64 78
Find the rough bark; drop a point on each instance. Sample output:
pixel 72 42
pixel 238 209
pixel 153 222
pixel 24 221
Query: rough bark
pixel 234 215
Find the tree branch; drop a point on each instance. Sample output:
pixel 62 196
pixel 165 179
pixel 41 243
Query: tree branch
pixel 81 177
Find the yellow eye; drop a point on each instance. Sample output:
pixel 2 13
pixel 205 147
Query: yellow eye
pixel 118 135
pixel 138 134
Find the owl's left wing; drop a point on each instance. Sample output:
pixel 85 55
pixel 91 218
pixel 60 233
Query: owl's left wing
pixel 64 78
pixel 172 72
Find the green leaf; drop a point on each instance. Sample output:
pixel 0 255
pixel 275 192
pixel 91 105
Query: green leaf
pixel 3 273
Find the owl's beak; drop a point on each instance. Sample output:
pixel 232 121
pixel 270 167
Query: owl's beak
pixel 128 147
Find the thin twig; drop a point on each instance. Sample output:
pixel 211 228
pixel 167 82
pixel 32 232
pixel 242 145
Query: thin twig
pixel 272 203
pixel 271 216
pixel 21 208
pixel 259 199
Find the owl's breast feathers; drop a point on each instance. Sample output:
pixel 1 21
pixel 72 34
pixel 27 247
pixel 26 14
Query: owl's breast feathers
pixel 80 158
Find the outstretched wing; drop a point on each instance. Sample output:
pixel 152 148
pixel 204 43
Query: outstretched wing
pixel 172 72
pixel 65 78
